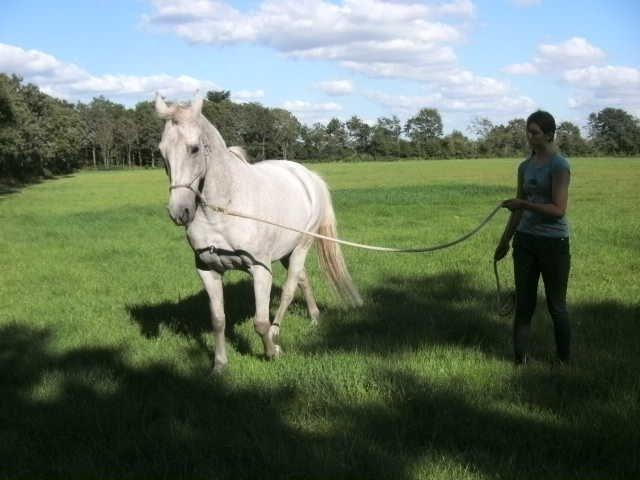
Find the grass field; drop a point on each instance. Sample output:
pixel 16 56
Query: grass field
pixel 106 351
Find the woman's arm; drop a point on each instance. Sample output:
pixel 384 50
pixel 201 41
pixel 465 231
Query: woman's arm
pixel 512 223
pixel 559 198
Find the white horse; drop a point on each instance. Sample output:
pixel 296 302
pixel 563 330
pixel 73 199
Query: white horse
pixel 202 170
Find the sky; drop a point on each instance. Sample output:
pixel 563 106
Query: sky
pixel 321 59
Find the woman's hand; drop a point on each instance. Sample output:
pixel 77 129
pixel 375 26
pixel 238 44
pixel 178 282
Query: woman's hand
pixel 514 204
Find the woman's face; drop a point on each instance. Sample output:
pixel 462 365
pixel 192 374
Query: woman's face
pixel 536 136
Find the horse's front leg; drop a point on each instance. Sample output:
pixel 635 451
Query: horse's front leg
pixel 262 281
pixel 213 285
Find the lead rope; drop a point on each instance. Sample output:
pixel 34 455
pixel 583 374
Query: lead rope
pixel 233 213
pixel 502 309
pixel 508 306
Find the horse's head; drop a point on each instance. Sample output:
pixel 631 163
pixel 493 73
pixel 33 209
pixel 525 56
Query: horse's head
pixel 184 156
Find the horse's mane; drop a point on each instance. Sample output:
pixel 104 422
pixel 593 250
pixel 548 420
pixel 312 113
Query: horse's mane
pixel 240 153
pixel 212 132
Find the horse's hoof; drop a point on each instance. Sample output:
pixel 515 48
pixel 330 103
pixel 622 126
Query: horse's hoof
pixel 277 353
pixel 274 331
pixel 219 369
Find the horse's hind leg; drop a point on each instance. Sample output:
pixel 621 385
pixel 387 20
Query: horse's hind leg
pixel 307 291
pixel 296 267
pixel 312 306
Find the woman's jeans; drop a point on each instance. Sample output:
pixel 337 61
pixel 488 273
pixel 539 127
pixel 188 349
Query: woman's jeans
pixel 533 256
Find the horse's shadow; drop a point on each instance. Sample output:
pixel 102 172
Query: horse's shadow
pixel 403 313
pixel 190 316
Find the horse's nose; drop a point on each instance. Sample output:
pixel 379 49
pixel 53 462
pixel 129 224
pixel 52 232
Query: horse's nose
pixel 181 219
pixel 185 217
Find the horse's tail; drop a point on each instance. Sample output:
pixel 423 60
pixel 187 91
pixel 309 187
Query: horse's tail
pixel 331 258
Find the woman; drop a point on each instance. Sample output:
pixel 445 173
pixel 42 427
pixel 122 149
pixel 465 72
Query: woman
pixel 541 241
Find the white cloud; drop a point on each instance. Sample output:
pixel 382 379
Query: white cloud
pixel 300 106
pixel 626 78
pixel 578 64
pixel 486 105
pixel 521 69
pixel 376 38
pixel 65 80
pixel 457 113
pixel 526 3
pixel 352 31
pixel 573 53
pixel 36 64
pixel 310 113
pixel 247 95
pixel 336 87
pixel 464 8
pixel 609 86
pixel 400 51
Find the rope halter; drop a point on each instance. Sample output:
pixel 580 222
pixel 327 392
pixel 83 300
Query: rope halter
pixel 200 176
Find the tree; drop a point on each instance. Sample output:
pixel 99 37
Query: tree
pixel 64 132
pixel 614 131
pixel 456 145
pixel 480 127
pixel 149 128
pixel 314 141
pixel 391 126
pixel 7 115
pixel 506 140
pixel 286 130
pixel 11 112
pixel 39 134
pixel 359 134
pixel 569 140
pixel 227 117
pixel 127 132
pixel 336 138
pixel 105 113
pixel 516 130
pixel 218 96
pixel 424 129
pixel 258 130
pixel 385 139
pixel 89 140
pixel 31 121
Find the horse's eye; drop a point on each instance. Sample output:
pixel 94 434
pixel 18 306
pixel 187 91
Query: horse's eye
pixel 195 149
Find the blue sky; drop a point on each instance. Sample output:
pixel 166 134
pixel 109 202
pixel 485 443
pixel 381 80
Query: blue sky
pixel 321 59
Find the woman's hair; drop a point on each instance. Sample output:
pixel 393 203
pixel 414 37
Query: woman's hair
pixel 545 121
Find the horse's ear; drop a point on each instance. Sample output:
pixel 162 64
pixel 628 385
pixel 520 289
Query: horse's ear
pixel 162 109
pixel 196 104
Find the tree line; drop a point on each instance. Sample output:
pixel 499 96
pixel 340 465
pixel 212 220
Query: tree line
pixel 44 135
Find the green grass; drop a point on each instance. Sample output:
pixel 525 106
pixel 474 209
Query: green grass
pixel 106 351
